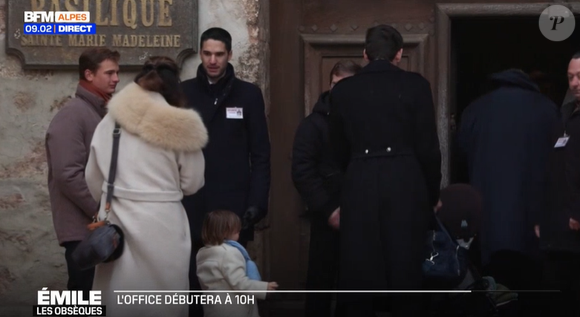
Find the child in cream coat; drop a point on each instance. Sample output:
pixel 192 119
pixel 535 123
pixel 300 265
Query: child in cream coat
pixel 222 265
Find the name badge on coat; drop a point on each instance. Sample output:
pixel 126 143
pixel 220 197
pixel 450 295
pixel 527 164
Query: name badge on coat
pixel 562 141
pixel 234 113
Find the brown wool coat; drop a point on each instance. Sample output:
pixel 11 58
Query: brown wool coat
pixel 68 141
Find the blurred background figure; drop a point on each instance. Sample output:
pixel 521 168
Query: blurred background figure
pixel 318 180
pixel 546 85
pixel 506 137
pixel 559 230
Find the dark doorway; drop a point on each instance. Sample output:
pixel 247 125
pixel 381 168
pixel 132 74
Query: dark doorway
pixel 483 46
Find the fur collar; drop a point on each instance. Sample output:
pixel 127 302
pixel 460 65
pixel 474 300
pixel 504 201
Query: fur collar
pixel 148 115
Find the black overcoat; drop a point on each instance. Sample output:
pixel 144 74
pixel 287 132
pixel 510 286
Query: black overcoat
pixel 237 156
pixel 383 131
pixel 315 174
pixel 507 137
pixel 564 187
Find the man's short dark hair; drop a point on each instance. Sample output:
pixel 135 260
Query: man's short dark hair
pixel 92 58
pixel 383 42
pixel 344 67
pixel 576 55
pixel 217 34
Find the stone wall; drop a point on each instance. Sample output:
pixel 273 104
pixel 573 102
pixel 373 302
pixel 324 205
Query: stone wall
pixel 30 257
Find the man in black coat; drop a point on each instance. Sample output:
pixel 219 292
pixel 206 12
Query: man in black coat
pixel 318 179
pixel 507 137
pixel 559 230
pixel 383 131
pixel 237 157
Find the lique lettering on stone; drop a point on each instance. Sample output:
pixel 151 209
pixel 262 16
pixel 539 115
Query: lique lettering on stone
pixel 159 27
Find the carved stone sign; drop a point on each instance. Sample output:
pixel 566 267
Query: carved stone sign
pixel 136 28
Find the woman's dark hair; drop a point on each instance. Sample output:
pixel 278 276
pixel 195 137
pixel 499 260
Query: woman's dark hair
pixel 161 74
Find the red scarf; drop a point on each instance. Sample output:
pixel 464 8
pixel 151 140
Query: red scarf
pixel 95 90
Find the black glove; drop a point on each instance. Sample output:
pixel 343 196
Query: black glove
pixel 251 217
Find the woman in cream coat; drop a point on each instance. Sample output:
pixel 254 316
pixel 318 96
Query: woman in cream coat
pixel 159 161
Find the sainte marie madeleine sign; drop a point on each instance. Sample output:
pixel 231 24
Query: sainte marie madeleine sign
pixel 136 28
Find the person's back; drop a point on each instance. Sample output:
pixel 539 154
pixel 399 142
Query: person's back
pixel 159 161
pixel 148 161
pixel 507 136
pixel 384 109
pixel 318 180
pixel 383 130
pixel 390 114
pixel 514 112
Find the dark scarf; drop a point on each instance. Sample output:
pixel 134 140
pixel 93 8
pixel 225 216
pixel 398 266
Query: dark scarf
pixel 222 87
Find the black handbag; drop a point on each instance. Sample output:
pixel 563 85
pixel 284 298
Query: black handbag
pixel 105 241
pixel 446 260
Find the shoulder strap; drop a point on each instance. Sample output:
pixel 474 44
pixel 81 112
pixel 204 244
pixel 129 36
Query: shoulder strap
pixel 113 168
pixel 240 248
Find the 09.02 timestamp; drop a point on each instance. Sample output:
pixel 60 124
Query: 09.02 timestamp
pixel 39 28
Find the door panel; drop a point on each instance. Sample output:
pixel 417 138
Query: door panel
pixel 321 52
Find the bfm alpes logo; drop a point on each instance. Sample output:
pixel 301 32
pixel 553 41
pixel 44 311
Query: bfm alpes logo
pixel 58 23
pixel 68 303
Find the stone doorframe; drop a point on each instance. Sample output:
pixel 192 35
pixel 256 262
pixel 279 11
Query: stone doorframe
pixel 444 14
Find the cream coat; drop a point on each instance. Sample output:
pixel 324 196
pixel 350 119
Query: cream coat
pixel 223 267
pixel 160 161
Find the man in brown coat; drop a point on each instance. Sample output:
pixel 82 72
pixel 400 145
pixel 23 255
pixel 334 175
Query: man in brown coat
pixel 68 141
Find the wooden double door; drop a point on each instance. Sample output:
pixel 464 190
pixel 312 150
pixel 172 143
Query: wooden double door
pixel 306 38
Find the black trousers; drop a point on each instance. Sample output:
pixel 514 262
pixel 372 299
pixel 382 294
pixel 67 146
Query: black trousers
pixel 519 272
pixel 562 272
pixel 77 279
pixel 322 273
